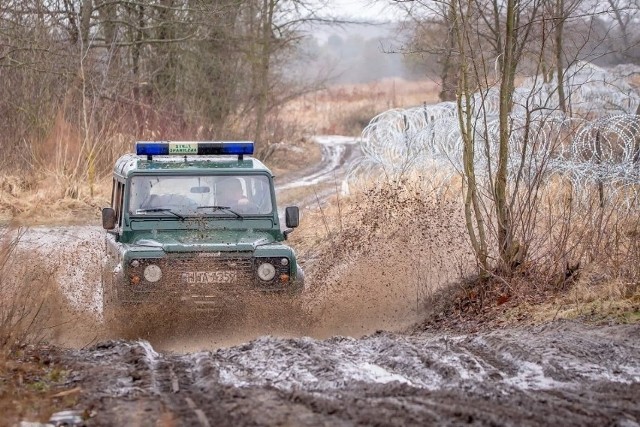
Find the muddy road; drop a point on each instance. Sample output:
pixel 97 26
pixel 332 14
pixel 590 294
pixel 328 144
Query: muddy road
pixel 338 153
pixel 558 374
pixel 286 367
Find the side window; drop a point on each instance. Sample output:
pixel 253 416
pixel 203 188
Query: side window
pixel 117 199
pixel 113 193
pixel 120 204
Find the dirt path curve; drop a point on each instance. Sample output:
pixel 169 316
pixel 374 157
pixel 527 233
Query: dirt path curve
pixel 316 183
pixel 338 152
pixel 558 374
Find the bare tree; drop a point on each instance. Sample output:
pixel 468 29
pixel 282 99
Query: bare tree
pixel 493 43
pixel 78 73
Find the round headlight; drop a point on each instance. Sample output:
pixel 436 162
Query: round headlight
pixel 135 263
pixel 266 271
pixel 284 261
pixel 152 273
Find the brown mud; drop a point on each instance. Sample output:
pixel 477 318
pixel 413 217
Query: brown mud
pixel 560 373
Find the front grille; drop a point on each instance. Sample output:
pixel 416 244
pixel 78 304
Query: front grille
pixel 205 277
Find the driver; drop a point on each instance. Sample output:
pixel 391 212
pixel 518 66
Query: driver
pixel 230 194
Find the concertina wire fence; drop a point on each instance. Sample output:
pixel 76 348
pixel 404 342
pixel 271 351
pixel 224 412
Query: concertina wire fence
pixel 596 144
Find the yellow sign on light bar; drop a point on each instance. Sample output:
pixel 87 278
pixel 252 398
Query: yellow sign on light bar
pixel 183 148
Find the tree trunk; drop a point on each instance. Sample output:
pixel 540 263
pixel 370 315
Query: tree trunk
pixel 558 53
pixel 268 7
pixel 474 219
pixel 449 74
pixel 503 217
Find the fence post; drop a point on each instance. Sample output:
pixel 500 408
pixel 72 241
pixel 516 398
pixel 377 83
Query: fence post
pixel 598 162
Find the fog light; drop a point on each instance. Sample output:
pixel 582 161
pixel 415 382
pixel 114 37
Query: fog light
pixel 284 278
pixel 135 263
pixel 266 271
pixel 135 279
pixel 152 273
pixel 284 261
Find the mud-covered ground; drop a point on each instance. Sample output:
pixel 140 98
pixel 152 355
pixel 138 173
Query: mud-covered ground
pixel 557 374
pixel 261 366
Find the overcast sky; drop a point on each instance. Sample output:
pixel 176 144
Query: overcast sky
pixel 360 9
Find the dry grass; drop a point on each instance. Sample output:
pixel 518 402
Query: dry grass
pixel 347 109
pixel 29 299
pixel 32 386
pixel 593 299
pixel 42 201
pixel 32 312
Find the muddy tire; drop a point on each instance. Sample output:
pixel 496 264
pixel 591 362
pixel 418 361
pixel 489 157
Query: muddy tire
pixel 300 285
pixel 110 306
pixel 106 295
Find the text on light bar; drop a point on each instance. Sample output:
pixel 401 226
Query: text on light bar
pixel 165 148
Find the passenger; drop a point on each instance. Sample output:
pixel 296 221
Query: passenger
pixel 230 194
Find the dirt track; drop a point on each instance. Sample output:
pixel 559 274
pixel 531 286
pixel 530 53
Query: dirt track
pixel 557 374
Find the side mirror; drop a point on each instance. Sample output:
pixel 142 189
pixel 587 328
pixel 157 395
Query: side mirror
pixel 108 218
pixel 292 216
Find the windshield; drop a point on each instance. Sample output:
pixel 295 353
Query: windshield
pixel 236 195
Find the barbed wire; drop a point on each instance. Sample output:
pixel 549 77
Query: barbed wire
pixel 597 142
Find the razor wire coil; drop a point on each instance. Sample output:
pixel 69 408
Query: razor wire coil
pixel 596 142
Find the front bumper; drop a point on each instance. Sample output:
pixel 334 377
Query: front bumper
pixel 204 281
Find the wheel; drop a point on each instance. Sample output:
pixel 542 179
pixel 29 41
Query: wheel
pixel 109 298
pixel 299 284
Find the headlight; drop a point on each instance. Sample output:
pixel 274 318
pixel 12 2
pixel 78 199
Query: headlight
pixel 284 261
pixel 266 271
pixel 152 273
pixel 135 263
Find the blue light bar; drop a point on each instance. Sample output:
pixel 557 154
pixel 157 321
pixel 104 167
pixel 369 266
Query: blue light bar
pixel 183 148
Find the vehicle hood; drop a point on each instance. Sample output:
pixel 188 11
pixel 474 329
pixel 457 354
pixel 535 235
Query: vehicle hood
pixel 203 241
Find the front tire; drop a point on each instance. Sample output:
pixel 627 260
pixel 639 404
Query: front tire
pixel 109 299
pixel 299 283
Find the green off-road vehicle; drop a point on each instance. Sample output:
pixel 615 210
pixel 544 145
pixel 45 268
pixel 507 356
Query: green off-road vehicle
pixel 195 224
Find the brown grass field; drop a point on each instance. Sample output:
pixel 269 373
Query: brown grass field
pixel 347 109
pixel 52 193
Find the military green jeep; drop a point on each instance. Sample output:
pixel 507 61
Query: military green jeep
pixel 195 223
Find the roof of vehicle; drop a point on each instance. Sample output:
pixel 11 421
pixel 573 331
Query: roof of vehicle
pixel 129 164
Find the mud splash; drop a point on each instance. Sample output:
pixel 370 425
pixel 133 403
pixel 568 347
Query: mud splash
pixel 355 305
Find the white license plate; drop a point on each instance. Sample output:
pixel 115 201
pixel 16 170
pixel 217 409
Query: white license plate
pixel 195 277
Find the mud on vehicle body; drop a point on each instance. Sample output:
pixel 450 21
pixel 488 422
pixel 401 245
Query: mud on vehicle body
pixel 195 224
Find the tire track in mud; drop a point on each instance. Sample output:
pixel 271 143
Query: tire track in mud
pixel 338 153
pixel 561 373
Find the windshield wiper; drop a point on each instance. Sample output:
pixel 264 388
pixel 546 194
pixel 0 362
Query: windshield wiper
pixel 177 215
pixel 222 208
